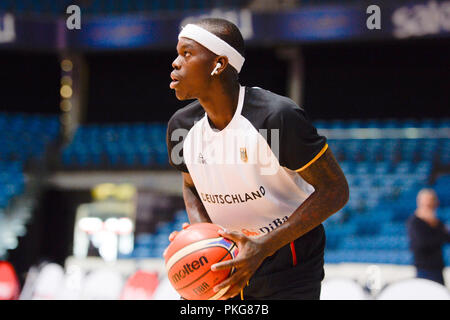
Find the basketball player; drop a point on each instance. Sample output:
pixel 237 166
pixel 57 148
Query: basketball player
pixel 252 163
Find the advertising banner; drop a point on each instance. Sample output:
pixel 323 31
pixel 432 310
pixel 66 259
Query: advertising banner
pixel 426 18
pixel 21 32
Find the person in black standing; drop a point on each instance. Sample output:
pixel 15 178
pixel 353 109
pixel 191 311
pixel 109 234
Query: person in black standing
pixel 427 235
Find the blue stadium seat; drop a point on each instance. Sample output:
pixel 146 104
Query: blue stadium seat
pixel 444 123
pixel 410 123
pixel 372 123
pixel 399 257
pixel 383 167
pixel 336 124
pixel 364 168
pixel 443 213
pixel 377 242
pixel 403 167
pixel 12 181
pixel 390 123
pixel 145 239
pixel 423 168
pixel 120 146
pixel 142 253
pixel 392 228
pixel 353 124
pixel 446 255
pixel 369 223
pixel 159 250
pixel 320 124
pixel 428 123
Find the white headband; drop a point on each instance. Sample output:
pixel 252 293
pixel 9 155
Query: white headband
pixel 214 44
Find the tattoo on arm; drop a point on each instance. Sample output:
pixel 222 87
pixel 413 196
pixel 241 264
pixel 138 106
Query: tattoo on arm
pixel 194 206
pixel 330 195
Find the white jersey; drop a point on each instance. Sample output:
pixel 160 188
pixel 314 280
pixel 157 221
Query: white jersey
pixel 247 174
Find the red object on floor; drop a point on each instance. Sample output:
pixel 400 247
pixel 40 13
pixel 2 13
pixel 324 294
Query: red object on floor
pixel 9 283
pixel 140 286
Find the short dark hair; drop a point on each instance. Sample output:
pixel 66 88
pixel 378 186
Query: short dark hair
pixel 225 30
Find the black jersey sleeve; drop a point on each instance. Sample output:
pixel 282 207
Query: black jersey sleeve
pixel 299 143
pixel 177 129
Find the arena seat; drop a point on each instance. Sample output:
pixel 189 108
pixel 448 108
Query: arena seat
pixel 383 167
pixel 165 290
pixel 446 252
pixel 102 284
pixel 116 146
pixel 24 137
pixel 389 228
pixel 444 123
pixel 381 256
pixel 378 242
pixel 9 282
pixel 152 245
pixel 48 282
pixel 342 289
pixel 71 284
pixel 12 181
pixel 414 289
pixel 441 187
pixel 141 285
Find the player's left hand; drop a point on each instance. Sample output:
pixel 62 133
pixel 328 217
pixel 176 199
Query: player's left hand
pixel 251 255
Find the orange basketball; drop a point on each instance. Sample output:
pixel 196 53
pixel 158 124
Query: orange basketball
pixel 189 258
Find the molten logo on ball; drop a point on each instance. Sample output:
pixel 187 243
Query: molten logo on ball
pixel 188 268
pixel 189 258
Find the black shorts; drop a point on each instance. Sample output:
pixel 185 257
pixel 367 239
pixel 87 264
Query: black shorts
pixel 294 272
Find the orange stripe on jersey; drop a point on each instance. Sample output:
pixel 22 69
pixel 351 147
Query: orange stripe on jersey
pixel 294 254
pixel 242 292
pixel 325 147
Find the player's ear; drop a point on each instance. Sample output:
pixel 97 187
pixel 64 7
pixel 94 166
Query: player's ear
pixel 220 64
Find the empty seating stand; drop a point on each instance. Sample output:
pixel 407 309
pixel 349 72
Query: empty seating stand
pixel 24 139
pixel 384 176
pixel 120 146
pixel 12 181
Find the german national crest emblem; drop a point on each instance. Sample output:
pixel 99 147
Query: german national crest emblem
pixel 244 154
